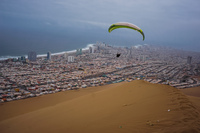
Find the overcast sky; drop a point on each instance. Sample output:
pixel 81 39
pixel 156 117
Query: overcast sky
pixel 174 23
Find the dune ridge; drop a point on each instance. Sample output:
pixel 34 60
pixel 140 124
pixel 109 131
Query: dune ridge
pixel 136 106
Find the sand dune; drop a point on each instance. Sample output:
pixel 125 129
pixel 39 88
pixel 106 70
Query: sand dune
pixel 195 91
pixel 136 106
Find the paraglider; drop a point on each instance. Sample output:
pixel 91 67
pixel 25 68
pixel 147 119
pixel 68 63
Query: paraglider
pixel 125 25
pixel 118 54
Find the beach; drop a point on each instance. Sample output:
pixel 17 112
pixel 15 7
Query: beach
pixel 127 107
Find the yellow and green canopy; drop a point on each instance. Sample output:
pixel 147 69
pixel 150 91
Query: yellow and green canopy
pixel 125 25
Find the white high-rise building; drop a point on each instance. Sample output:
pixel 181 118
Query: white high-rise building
pixel 32 56
pixel 189 59
pixel 70 58
pixel 91 49
pixel 66 55
pixel 48 55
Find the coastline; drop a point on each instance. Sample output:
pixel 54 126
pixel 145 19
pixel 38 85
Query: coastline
pixel 2 58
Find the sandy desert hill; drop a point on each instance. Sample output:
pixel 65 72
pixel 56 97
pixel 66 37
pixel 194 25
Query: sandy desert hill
pixel 126 107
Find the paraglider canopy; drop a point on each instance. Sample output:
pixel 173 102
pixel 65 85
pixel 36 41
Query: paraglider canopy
pixel 125 25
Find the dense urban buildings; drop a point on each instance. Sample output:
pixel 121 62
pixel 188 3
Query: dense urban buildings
pixel 98 66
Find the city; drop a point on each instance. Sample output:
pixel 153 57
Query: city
pixel 23 78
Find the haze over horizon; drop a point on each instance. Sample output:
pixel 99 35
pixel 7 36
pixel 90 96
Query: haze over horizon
pixel 63 24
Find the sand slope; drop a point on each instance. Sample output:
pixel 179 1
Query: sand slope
pixel 195 91
pixel 136 106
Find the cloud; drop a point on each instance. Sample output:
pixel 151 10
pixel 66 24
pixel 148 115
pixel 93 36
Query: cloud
pixel 94 23
pixel 48 23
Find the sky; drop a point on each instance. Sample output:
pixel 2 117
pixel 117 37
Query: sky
pixel 39 24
